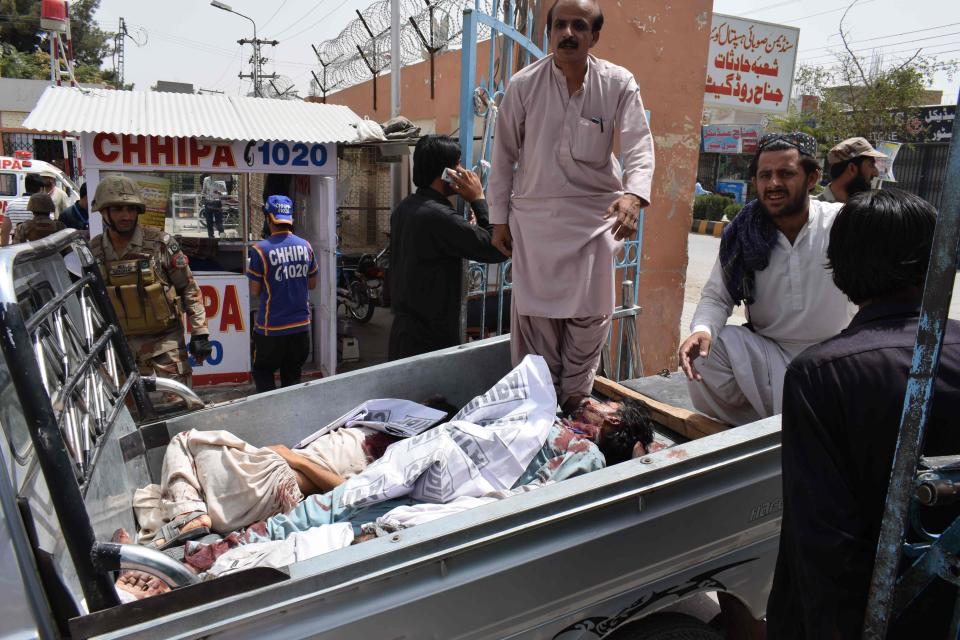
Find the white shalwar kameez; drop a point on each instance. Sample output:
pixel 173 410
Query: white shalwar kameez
pixel 797 305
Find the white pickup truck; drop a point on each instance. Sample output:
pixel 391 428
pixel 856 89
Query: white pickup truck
pixel 601 555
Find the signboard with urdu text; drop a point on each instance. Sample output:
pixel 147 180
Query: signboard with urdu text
pixel 730 138
pixel 750 64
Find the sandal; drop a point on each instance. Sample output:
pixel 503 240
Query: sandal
pixel 171 534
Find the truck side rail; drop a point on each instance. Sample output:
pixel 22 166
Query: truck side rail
pixel 72 371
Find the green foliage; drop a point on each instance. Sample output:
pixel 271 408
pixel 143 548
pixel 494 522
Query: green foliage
pixel 731 211
pixel 24 50
pixel 710 206
pixel 861 97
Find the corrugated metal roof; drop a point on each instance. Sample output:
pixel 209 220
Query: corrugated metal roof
pixel 187 115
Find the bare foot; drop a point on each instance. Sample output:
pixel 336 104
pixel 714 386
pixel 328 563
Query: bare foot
pixel 141 585
pixel 201 521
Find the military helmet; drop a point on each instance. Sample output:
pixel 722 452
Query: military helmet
pixel 41 203
pixel 115 191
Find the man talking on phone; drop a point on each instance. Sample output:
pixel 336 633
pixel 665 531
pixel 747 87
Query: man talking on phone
pixel 428 242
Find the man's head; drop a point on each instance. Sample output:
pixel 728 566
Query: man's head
pixel 32 183
pixel 621 426
pixel 279 212
pixel 118 200
pixel 83 196
pixel 41 204
pixel 880 245
pixel 784 170
pixel 431 156
pixel 573 27
pixel 853 164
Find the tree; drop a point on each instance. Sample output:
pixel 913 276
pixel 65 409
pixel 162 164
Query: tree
pixel 860 96
pixel 24 52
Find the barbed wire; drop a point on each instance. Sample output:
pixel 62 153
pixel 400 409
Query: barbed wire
pixel 353 55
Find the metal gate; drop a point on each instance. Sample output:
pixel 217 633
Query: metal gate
pixel 480 100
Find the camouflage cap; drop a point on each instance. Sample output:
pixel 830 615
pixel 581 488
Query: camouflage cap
pixel 853 148
pixel 41 203
pixel 115 191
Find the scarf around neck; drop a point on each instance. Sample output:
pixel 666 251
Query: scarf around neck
pixel 745 248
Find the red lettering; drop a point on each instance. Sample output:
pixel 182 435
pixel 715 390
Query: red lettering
pixel 134 145
pixel 182 152
pixel 162 147
pixel 211 300
pixel 232 315
pixel 223 156
pixel 103 154
pixel 198 152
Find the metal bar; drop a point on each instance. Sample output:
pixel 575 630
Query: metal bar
pixel 917 403
pixel 507 30
pixel 924 569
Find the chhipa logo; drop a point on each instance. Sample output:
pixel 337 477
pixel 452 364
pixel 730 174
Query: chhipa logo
pixel 282 207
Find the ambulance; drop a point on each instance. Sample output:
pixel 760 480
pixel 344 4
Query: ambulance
pixel 13 172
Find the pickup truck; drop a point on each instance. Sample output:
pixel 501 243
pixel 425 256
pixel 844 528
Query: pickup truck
pixel 601 555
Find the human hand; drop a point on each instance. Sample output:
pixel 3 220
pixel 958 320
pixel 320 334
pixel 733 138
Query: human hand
pixel 473 218
pixel 200 348
pixel 502 240
pixel 627 210
pixel 467 184
pixel 697 345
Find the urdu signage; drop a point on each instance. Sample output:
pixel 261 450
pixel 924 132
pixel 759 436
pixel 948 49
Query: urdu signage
pixel 750 64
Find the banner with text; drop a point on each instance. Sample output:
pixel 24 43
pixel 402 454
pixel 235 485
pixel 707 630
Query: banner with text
pixel 730 138
pixel 226 299
pixel 750 64
pixel 123 152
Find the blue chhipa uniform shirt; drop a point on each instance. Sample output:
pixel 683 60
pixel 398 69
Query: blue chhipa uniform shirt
pixel 282 264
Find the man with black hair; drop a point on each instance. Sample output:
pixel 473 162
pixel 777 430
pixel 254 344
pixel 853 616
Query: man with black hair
pixel 853 164
pixel 428 242
pixel 842 405
pixel 772 259
pixel 566 209
pixel 78 215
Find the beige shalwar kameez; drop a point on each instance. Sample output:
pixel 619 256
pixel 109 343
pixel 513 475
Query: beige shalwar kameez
pixel 553 177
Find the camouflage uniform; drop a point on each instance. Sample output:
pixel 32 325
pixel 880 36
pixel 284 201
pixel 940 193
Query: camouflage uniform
pixel 36 228
pixel 164 353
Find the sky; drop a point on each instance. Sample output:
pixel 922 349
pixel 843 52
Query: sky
pixel 191 41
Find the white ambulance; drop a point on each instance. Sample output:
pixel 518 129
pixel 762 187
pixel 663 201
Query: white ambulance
pixel 13 171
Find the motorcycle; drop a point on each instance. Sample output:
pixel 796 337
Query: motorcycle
pixel 374 271
pixel 353 292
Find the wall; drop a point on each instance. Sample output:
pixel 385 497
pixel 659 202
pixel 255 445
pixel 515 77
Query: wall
pixel 665 46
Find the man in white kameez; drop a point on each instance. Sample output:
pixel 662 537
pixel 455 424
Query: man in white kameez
pixel 773 259
pixel 560 202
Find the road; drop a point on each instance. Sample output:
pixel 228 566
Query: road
pixel 702 253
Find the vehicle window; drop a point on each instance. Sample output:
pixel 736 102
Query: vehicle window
pixel 8 184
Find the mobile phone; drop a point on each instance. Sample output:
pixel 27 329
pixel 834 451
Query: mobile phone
pixel 449 174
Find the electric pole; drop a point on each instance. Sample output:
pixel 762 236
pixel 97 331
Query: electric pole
pixel 118 41
pixel 256 64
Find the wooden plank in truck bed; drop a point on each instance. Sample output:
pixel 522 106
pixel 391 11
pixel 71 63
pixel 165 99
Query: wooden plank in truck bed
pixel 685 422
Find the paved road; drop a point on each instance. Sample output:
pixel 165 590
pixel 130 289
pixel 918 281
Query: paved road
pixel 702 253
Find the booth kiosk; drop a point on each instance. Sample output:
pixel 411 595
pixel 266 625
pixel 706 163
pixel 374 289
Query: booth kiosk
pixel 165 141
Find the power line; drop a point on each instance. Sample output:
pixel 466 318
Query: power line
pixel 303 17
pixel 823 13
pixel 910 50
pixel 890 44
pixel 270 19
pixel 891 35
pixel 327 15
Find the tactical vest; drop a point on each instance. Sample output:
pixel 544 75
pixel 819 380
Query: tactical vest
pixel 31 230
pixel 146 304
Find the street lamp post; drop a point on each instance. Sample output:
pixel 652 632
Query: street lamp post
pixel 255 75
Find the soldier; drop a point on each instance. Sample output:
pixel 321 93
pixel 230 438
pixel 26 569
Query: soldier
pixel 40 225
pixel 150 284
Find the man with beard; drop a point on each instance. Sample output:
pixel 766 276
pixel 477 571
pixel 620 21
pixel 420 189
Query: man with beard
pixel 150 284
pixel 567 207
pixel 853 164
pixel 773 260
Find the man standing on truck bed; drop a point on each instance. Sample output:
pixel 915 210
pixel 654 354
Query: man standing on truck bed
pixel 150 284
pixel 559 200
pixel 842 404
pixel 773 260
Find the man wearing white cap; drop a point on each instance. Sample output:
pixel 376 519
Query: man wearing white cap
pixel 60 198
pixel 853 164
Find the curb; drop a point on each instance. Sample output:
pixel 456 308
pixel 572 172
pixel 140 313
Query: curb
pixel 709 227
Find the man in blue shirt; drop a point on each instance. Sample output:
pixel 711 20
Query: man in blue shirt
pixel 282 269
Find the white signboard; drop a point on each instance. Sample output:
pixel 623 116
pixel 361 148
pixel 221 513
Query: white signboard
pixel 123 152
pixel 226 299
pixel 750 64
